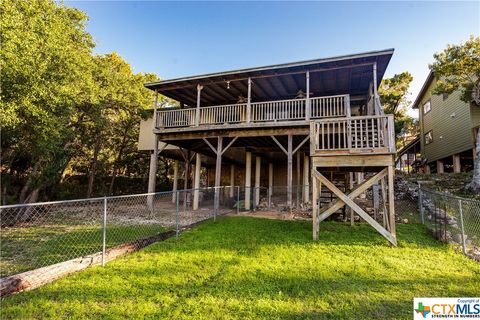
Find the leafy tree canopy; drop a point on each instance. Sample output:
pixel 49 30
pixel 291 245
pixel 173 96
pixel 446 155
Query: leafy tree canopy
pixel 458 68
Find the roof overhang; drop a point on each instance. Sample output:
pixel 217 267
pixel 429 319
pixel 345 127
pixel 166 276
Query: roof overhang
pixel 350 74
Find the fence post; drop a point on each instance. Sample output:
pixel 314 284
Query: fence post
pixel 464 246
pixel 238 199
pixel 420 203
pixel 177 214
pixel 104 231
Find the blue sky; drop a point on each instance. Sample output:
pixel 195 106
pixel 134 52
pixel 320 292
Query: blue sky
pixel 174 39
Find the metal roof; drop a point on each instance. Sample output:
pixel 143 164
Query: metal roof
pixel 328 76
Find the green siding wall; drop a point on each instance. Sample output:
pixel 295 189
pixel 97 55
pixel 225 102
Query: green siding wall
pixel 451 135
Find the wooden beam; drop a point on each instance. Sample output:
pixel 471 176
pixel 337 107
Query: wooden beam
pixel 280 145
pixel 175 180
pixel 229 145
pixel 389 236
pixel 249 101
pixel 248 179
pixel 196 181
pixel 289 171
pixel 252 130
pixel 197 112
pixel 298 180
pixel 391 198
pixel 218 175
pixel 353 160
pixel 210 145
pixel 258 167
pixel 301 144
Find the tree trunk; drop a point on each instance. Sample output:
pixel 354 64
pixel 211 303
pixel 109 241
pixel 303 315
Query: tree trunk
pixel 93 167
pixel 23 193
pixel 117 160
pixel 474 185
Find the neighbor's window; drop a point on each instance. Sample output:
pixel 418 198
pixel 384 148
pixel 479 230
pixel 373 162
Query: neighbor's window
pixel 428 137
pixel 426 107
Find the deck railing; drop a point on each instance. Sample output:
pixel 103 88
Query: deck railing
pixel 256 112
pixel 354 134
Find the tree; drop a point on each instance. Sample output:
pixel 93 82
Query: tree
pixel 458 68
pixel 393 94
pixel 45 62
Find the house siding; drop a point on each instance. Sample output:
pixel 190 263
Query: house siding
pixel 451 135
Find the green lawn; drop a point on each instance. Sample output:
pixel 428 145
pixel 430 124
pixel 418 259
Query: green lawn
pixel 251 268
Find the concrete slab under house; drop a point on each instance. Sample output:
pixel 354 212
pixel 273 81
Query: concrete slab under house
pixel 311 134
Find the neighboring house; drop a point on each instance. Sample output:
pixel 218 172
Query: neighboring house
pixel 323 116
pixel 447 129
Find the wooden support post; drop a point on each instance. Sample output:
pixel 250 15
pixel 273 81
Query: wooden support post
pixel 352 216
pixel 308 110
pixel 152 176
pixel 270 181
pixel 289 171
pixel 232 180
pixel 360 179
pixel 306 178
pixel 218 174
pixel 391 199
pixel 375 93
pixel 196 181
pixel 297 200
pixel 197 113
pixel 258 166
pixel 249 100
pixel 385 219
pixel 185 182
pixel 315 208
pixel 155 107
pixel 457 167
pixel 248 179
pixel 440 168
pixel 175 181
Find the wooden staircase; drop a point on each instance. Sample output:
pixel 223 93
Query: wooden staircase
pixel 340 180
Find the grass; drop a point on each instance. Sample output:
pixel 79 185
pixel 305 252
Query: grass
pixel 25 249
pixel 251 268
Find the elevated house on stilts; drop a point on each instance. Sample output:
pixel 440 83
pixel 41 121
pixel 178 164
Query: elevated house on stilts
pixel 324 115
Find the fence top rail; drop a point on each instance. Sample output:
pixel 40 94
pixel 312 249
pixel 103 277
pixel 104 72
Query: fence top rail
pixel 45 203
pixel 446 195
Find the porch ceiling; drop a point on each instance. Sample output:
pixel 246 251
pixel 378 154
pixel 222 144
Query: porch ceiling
pixel 351 74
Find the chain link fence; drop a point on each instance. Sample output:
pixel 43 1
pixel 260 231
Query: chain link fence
pixel 37 235
pixel 452 219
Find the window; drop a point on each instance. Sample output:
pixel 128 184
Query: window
pixel 426 107
pixel 428 137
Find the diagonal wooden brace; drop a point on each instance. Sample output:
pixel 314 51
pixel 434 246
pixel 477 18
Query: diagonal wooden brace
pixel 346 200
pixel 352 195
